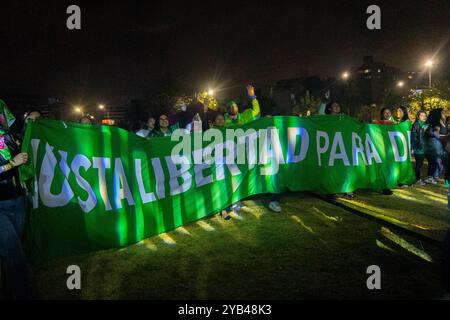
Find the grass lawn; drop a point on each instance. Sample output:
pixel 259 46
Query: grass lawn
pixel 311 250
pixel 419 209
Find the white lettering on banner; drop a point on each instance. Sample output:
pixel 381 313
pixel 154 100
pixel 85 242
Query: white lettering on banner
pixel 121 186
pixel 101 164
pixel 273 152
pixel 371 151
pixel 321 149
pixel 293 134
pixel 81 161
pixel 145 196
pixel 173 175
pixel 47 175
pixel 398 158
pixel 358 149
pixel 337 141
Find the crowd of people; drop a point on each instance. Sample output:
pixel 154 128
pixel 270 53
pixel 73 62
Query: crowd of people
pixel 429 140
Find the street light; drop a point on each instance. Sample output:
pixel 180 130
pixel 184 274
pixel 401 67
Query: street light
pixel 429 64
pixel 345 75
pixel 210 92
pixel 101 106
pixel 400 84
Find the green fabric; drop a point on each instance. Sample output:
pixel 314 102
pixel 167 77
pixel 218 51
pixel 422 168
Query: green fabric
pixel 168 133
pixel 7 114
pixel 102 187
pixel 9 119
pixel 245 117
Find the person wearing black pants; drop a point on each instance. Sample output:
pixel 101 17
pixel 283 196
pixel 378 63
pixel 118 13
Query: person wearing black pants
pixel 12 211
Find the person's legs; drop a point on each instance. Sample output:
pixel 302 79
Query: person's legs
pixel 432 165
pixel 19 216
pixel 438 169
pixel 419 164
pixel 11 253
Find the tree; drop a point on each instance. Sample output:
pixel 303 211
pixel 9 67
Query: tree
pixel 427 100
pixel 307 103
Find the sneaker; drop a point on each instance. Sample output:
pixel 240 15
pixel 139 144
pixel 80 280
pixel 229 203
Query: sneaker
pixel 224 214
pixel 419 183
pixel 236 207
pixel 387 192
pixel 275 206
pixel 430 180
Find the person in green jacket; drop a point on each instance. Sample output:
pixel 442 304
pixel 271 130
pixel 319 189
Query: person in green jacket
pixel 418 130
pixel 164 127
pixel 233 117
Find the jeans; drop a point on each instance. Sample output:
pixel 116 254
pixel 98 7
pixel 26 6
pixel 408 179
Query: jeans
pixel 12 257
pixel 432 165
pixel 439 168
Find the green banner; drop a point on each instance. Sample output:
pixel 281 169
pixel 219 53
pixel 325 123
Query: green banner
pixel 95 187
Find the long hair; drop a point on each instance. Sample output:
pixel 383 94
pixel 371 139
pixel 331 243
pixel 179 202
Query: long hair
pixel 434 117
pixel 405 113
pixel 328 106
pixel 382 113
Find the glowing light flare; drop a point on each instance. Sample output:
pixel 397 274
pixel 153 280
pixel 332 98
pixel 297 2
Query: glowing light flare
pixel 405 244
pixel 345 75
pixel 183 230
pixel 167 239
pixel 300 221
pixel 206 226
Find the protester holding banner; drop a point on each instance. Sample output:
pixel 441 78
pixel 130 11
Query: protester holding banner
pixel 233 117
pixel 164 128
pixel 385 117
pixel 85 120
pixel 151 121
pixel 333 108
pixel 12 209
pixel 401 114
pixel 141 129
pixel 32 115
pixel 219 121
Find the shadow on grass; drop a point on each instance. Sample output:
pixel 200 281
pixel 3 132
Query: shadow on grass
pixel 310 250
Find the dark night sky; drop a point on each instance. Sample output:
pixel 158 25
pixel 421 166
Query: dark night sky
pixel 125 47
